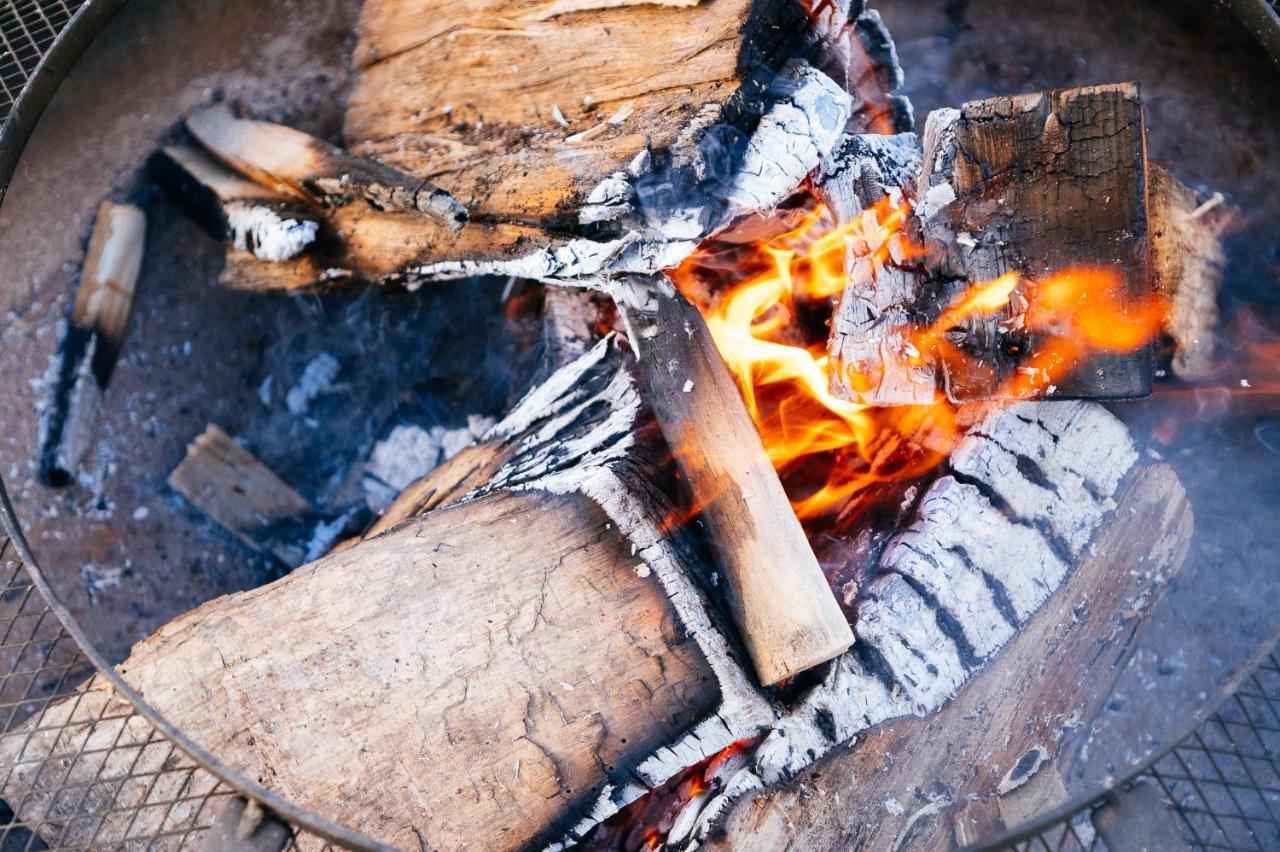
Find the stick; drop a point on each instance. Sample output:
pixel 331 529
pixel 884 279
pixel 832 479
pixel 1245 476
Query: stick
pixel 787 615
pixel 96 331
pixel 287 160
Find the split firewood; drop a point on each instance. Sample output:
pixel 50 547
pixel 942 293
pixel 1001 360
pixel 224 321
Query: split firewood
pixel 785 611
pixel 571 166
pixel 93 338
pixel 243 496
pixel 1188 263
pixel 271 226
pixel 1038 185
pixel 1028 503
pixel 870 344
pixel 980 764
pixel 510 654
pixel 289 161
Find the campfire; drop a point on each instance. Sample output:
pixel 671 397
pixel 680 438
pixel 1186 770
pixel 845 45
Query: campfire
pixel 818 474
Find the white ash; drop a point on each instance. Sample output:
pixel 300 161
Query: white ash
pixel 267 234
pixel 96 580
pixel 316 378
pixel 410 452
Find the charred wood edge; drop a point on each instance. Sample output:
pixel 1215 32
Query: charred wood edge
pixel 233 488
pixel 874 316
pixel 272 226
pixel 784 609
pixel 993 538
pixel 286 160
pixel 1188 263
pixel 92 339
pixel 650 214
pixel 1083 138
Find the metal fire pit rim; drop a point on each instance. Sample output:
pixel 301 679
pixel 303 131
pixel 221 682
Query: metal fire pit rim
pixel 66 49
pixel 15 131
pixel 1086 802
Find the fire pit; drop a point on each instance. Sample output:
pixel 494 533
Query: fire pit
pixel 700 455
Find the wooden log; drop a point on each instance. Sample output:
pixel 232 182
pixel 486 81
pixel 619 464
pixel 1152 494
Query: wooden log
pixel 1030 494
pixel 271 226
pixel 92 340
pixel 576 153
pixel 875 318
pixel 1038 184
pixel 1188 263
pixel 785 611
pixel 228 484
pixel 289 161
pixel 949 779
pixel 469 678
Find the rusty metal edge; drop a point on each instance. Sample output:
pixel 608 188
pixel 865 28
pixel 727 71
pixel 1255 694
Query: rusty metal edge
pixel 85 25
pixel 1261 19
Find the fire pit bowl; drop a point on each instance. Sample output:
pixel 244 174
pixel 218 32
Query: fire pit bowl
pixel 1182 746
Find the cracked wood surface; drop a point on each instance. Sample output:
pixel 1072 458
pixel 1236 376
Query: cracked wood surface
pixel 475 676
pixel 1036 184
pixel 945 779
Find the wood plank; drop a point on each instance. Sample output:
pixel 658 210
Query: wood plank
pixel 1038 184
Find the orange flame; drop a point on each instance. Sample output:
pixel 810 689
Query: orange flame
pixel 758 326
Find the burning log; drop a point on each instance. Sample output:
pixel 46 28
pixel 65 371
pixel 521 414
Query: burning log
pixel 93 338
pixel 1037 185
pixel 251 218
pixel 784 609
pixel 1032 216
pixel 242 495
pixel 967 771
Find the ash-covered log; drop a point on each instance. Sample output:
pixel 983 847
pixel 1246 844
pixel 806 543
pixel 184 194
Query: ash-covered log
pixel 92 340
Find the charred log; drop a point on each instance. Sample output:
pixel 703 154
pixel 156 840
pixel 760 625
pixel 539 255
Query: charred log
pixel 92 340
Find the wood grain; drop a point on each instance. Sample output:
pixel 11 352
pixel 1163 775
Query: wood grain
pixel 919 783
pixel 786 613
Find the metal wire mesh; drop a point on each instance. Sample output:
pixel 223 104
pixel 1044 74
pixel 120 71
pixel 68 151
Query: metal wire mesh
pixel 27 29
pixel 1220 784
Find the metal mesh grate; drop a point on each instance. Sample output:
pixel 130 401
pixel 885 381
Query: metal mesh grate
pixel 27 28
pixel 1220 785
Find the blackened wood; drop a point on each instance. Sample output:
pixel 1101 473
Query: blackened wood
pixel 94 335
pixel 1037 184
pixel 271 226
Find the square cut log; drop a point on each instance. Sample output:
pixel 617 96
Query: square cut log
pixel 1037 184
